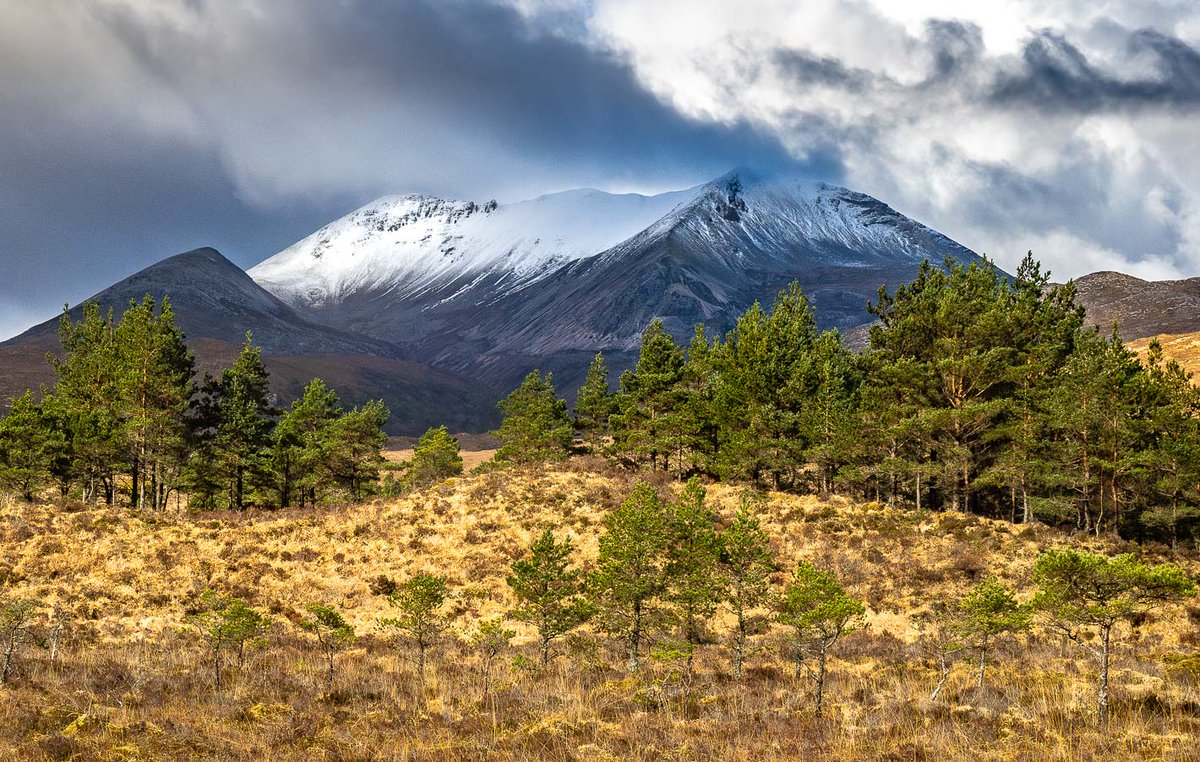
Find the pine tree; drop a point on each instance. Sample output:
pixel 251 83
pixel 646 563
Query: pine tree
pixel 766 378
pixel 988 611
pixel 26 448
pixel 630 573
pixel 594 404
pixel 1044 321
pixel 332 631
pixel 224 623
pixel 89 399
pixel 1090 412
pixel 300 442
pixel 697 414
pixel 154 382
pixel 827 422
pixel 1084 596
pixel 244 413
pixel 695 585
pixel 953 324
pixel 1168 460
pixel 548 591
pixel 435 458
pixel 420 621
pixel 747 565
pixel 535 426
pixel 819 612
pixel 353 450
pixel 643 429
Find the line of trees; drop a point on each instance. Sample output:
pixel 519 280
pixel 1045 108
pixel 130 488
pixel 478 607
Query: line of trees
pixel 978 393
pixel 126 421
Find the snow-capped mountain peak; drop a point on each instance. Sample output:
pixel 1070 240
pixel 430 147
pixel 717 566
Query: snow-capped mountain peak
pixel 408 245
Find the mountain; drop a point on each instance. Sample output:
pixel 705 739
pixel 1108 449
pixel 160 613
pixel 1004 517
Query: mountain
pixel 491 290
pixel 216 303
pixel 1140 308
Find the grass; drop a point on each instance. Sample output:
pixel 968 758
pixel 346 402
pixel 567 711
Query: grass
pixel 129 682
pixel 1184 348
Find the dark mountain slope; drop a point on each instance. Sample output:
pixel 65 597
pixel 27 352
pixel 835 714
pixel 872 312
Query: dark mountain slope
pixel 216 303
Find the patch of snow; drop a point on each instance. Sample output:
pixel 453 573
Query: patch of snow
pixel 408 245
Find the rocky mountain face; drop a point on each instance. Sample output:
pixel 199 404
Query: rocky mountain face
pixel 490 291
pixel 1140 308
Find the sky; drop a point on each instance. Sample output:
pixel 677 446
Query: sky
pixel 131 130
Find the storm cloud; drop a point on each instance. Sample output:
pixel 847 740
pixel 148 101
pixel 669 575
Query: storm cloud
pixel 131 130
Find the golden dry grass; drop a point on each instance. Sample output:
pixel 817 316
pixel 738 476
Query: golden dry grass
pixel 1184 348
pixel 131 684
pixel 471 458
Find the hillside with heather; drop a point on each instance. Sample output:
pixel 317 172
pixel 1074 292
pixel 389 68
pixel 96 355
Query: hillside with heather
pixel 127 675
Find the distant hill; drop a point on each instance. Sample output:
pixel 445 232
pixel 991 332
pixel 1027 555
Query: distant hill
pixel 1184 348
pixel 1140 308
pixel 216 303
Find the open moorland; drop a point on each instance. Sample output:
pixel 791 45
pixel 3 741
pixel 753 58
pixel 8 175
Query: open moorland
pixel 118 672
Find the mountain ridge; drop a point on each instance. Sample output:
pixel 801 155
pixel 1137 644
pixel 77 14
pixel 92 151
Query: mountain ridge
pixel 716 249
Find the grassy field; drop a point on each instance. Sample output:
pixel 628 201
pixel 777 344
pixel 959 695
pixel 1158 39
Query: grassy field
pixel 1183 348
pixel 130 682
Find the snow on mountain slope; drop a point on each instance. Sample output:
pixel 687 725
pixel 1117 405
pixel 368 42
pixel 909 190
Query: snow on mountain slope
pixel 406 246
pixel 491 291
pixel 794 222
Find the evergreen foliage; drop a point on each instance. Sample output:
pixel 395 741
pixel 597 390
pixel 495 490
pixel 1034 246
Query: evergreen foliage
pixel 819 611
pixel 548 591
pixel 695 585
pixel 988 611
pixel 978 393
pixel 746 565
pixel 1084 596
pixel 594 404
pixel 332 631
pixel 224 623
pixel 125 418
pixel 631 571
pixel 420 621
pixel 435 458
pixel 535 426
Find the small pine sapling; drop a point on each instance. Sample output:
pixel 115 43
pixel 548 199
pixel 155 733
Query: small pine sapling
pixel 332 631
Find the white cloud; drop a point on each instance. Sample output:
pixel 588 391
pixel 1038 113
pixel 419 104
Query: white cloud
pixel 1098 183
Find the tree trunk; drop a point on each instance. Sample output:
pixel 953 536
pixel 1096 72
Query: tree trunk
pixel 1105 635
pixel 944 661
pixel 135 496
pixel 821 677
pixel 739 645
pixel 329 679
pixel 237 499
pixel 10 648
pixel 982 661
pixel 635 637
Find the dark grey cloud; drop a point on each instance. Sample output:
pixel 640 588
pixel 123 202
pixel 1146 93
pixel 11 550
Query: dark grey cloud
pixel 954 47
pixel 127 135
pixel 1057 75
pixel 803 70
